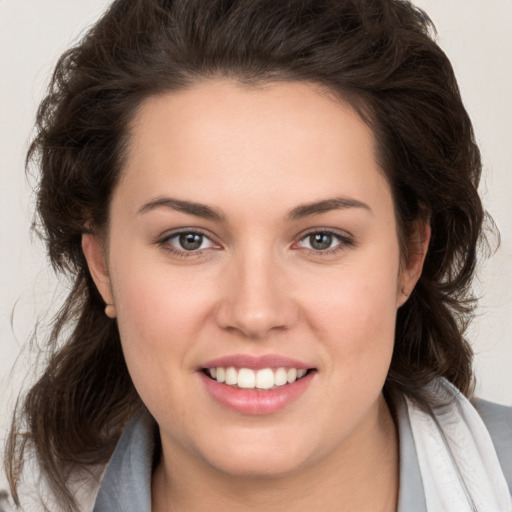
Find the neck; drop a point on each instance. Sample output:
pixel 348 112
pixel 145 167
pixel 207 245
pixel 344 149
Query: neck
pixel 340 482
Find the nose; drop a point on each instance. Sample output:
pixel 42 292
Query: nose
pixel 256 298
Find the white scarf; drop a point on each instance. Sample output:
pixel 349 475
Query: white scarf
pixel 458 463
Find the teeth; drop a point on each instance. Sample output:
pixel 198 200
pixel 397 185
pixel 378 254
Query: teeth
pixel 246 379
pixel 266 378
pixel 280 377
pixel 221 375
pixel 231 376
pixel 291 375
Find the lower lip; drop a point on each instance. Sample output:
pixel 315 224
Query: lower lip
pixel 247 401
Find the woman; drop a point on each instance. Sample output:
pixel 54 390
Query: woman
pixel 270 215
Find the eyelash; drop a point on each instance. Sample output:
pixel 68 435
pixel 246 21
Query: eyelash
pixel 344 241
pixel 165 244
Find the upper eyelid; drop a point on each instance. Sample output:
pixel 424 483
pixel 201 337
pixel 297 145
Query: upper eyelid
pixel 343 234
pixel 179 231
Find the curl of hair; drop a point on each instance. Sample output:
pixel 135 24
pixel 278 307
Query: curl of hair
pixel 379 55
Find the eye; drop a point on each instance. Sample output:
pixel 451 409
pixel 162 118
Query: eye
pixel 187 242
pixel 190 241
pixel 324 241
pixel 319 241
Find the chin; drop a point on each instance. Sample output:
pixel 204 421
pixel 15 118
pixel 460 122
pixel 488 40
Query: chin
pixel 258 461
pixel 258 470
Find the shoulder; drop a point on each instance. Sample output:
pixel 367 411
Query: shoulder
pixel 498 420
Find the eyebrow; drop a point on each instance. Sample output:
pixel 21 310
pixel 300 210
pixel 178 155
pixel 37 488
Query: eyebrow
pixel 318 207
pixel 208 212
pixel 197 209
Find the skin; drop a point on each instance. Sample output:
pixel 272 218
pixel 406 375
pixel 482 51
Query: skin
pixel 258 286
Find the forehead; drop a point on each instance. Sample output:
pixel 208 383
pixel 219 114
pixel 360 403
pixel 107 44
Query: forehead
pixel 224 143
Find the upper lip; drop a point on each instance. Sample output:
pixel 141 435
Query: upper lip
pixel 256 362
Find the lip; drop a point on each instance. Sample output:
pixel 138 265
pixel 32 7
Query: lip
pixel 256 362
pixel 253 401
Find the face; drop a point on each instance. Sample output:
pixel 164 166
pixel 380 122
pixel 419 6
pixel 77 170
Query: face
pixel 254 265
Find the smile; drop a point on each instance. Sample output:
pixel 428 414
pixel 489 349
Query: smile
pixel 256 385
pixel 262 379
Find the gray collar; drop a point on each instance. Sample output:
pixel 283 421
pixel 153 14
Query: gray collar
pixel 126 485
pixel 411 495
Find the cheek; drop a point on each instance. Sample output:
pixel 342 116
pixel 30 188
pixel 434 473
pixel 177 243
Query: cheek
pixel 356 316
pixel 361 297
pixel 156 303
pixel 158 320
pixel 160 313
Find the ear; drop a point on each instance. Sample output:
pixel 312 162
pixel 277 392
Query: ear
pixel 412 266
pixel 94 252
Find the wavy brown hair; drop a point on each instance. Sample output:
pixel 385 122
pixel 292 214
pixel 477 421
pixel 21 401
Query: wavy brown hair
pixel 379 55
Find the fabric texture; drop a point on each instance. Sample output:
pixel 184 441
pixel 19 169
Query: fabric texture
pixel 127 482
pixel 458 463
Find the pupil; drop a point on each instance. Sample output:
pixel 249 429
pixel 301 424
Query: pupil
pixel 321 241
pixel 191 241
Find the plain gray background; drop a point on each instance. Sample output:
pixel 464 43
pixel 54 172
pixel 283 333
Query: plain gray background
pixel 33 33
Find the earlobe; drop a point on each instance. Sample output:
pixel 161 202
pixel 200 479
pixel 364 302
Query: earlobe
pixel 413 267
pixel 94 252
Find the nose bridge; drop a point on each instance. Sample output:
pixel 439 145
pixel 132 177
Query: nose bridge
pixel 256 298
